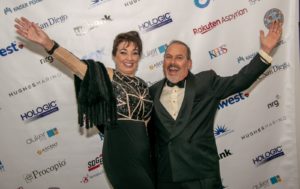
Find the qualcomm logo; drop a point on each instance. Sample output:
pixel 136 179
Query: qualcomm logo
pixel 156 22
pixel 221 130
pixel 10 49
pixel 201 4
pixel 267 182
pixel 232 100
pixel 40 111
pixel 268 156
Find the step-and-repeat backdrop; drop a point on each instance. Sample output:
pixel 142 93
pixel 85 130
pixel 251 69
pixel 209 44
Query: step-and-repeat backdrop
pixel 41 145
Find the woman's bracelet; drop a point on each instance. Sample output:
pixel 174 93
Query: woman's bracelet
pixel 55 46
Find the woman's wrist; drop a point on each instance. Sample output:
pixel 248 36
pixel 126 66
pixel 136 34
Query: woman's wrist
pixel 51 47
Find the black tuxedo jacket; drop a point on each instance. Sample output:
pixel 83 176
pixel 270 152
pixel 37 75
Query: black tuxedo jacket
pixel 185 148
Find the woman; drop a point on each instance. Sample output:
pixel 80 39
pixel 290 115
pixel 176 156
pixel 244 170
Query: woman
pixel 114 100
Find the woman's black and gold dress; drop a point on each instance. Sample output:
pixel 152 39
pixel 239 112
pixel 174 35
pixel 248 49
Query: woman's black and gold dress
pixel 126 148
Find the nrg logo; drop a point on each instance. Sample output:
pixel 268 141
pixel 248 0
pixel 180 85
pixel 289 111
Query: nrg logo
pixel 201 4
pixel 13 47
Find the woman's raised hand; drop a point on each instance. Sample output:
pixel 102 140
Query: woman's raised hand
pixel 33 32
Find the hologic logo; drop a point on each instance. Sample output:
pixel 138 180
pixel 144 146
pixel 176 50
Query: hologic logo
pixel 96 163
pixel 232 100
pixel 268 156
pixel 221 130
pixel 40 111
pixel 156 22
pixel 36 174
pixel 201 4
pixel 10 49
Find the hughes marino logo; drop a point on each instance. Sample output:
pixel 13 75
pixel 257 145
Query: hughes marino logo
pixel 10 10
pixel 131 2
pixel 233 99
pixel 10 49
pixel 268 156
pixel 156 22
pixel 36 174
pixel 40 111
pixel 202 3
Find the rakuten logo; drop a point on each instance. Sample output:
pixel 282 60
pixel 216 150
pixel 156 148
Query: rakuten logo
pixel 10 49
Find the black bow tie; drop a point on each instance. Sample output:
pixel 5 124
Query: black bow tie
pixel 179 84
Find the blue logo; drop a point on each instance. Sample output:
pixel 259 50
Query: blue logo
pixel 10 49
pixel 276 179
pixel 268 156
pixel 1 167
pixel 155 23
pixel 40 111
pixel 221 131
pixel 201 5
pixel 52 132
pixel 156 51
pixel 232 100
pixel 272 15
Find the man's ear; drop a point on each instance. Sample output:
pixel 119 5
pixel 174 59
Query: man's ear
pixel 190 63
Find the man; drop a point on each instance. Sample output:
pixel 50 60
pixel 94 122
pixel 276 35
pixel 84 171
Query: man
pixel 183 117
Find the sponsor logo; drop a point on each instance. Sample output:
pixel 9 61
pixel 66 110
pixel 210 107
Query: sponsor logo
pixel 217 52
pixel 156 65
pixel 21 6
pixel 132 2
pixel 268 182
pixel 156 51
pixel 33 85
pixel 201 4
pixel 156 22
pixel 272 15
pixel 95 163
pixel 96 55
pixel 253 2
pixel 47 59
pixel 53 21
pixel 232 100
pixel 268 156
pixel 213 24
pixel 274 103
pixel 43 136
pixel 274 69
pixel 40 111
pixel 221 130
pixel 264 127
pixel 95 3
pixel 1 167
pixel 245 59
pixel 225 154
pixel 46 149
pixel 10 49
pixel 36 174
pixel 89 26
